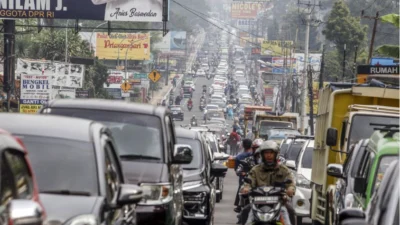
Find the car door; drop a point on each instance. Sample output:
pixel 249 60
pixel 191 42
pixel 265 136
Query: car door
pixel 113 179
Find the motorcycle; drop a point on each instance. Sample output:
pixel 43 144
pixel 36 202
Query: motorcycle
pixel 190 106
pixel 266 203
pixel 202 105
pixel 193 123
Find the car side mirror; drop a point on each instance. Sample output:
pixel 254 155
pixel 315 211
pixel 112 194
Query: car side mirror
pixel 182 154
pixel 331 137
pixel 129 194
pixel 360 185
pixel 335 170
pixel 291 164
pixel 218 170
pixel 220 156
pixel 350 214
pixel 23 212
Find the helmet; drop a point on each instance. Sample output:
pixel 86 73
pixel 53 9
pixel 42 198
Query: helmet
pixel 269 145
pixel 193 116
pixel 256 143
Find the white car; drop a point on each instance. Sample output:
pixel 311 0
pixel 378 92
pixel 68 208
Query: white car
pixel 191 84
pixel 217 96
pixel 216 80
pixel 201 73
pixel 301 203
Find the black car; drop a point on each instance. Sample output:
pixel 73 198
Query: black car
pixel 177 112
pixel 187 92
pixel 145 137
pixel 198 189
pixel 21 196
pixel 77 169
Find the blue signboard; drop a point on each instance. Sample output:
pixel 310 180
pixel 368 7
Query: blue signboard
pixel 282 70
pixel 114 92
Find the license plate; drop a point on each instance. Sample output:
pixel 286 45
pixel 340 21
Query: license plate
pixel 174 113
pixel 267 199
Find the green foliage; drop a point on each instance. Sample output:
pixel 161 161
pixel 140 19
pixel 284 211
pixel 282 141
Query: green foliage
pixel 341 28
pixel 391 18
pixel 389 50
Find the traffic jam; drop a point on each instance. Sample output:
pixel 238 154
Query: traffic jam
pixel 197 124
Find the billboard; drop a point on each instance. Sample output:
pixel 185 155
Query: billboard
pixel 178 40
pixel 62 74
pixel 275 47
pixel 313 59
pixel 274 65
pixel 35 91
pixel 131 46
pixel 245 23
pixel 109 10
pixel 246 10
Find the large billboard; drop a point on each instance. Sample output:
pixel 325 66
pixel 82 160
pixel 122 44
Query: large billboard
pixel 245 23
pixel 275 47
pixel 130 46
pixel 313 59
pixel 246 10
pixel 109 10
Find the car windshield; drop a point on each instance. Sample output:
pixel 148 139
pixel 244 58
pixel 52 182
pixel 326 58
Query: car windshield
pixel 267 125
pixel 135 134
pixel 215 114
pixel 176 109
pixel 306 161
pixel 294 150
pixel 57 162
pixel 212 107
pixel 196 149
pixel 361 127
pixel 384 164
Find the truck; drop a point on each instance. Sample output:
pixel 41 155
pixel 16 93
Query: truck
pixel 249 111
pixel 263 121
pixel 346 114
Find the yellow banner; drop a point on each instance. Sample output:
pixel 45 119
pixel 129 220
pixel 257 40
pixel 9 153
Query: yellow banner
pixel 29 109
pixel 244 40
pixel 275 47
pixel 315 96
pixel 132 46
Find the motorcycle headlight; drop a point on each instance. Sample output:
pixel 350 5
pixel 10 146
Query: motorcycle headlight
pixel 303 182
pixel 265 216
pixel 83 220
pixel 156 194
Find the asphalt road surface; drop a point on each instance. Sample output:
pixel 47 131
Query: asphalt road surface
pixel 224 214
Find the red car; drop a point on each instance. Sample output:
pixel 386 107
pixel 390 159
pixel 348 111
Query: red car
pixel 18 187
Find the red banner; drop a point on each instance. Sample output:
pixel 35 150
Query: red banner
pixel 245 10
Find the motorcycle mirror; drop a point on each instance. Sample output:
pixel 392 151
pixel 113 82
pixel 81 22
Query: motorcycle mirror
pixel 247 180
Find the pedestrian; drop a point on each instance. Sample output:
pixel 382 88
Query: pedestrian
pixel 230 112
pixel 174 82
pixel 233 140
pixel 178 100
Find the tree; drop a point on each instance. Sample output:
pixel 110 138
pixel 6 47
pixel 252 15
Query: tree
pixel 343 29
pixel 390 50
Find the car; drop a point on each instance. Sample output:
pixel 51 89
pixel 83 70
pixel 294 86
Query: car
pixel 77 168
pixel 187 92
pixel 221 104
pixel 212 107
pixel 155 161
pixel 384 205
pixel 302 168
pixel 282 133
pixel 218 97
pixel 18 188
pixel 201 73
pixel 199 191
pixel 214 114
pixel 190 83
pixel 295 147
pixel 177 112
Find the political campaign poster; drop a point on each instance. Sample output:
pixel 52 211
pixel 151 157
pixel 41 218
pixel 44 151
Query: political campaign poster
pixel 35 91
pixel 109 10
pixel 130 46
pixel 82 93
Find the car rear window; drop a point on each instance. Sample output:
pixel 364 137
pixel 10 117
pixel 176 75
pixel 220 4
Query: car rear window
pixel 62 164
pixel 135 134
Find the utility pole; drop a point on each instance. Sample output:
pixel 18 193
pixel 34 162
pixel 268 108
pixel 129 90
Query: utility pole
pixel 321 70
pixel 355 65
pixel 344 62
pixel 304 89
pixel 311 99
pixel 9 59
pixel 371 46
pixel 167 75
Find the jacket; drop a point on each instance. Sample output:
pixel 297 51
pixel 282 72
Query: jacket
pixel 260 177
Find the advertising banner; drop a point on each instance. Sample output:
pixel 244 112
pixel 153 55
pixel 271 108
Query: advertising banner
pixel 62 74
pixel 109 10
pixel 178 40
pixel 131 46
pixel 251 40
pixel 313 59
pixel 82 93
pixel 246 10
pixel 274 65
pixel 63 93
pixel 245 23
pixel 114 92
pixel 275 47
pixel 35 91
pixel 255 51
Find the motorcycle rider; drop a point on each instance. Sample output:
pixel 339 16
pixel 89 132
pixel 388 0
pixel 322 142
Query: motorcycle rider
pixel 267 172
pixel 190 103
pixel 193 121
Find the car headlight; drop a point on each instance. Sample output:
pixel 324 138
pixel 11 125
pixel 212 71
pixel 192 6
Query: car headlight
pixel 83 220
pixel 156 194
pixel 303 182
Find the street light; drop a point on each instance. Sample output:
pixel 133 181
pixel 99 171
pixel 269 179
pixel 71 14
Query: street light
pixel 91 35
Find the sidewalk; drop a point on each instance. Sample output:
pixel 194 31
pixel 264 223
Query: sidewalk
pixel 161 94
